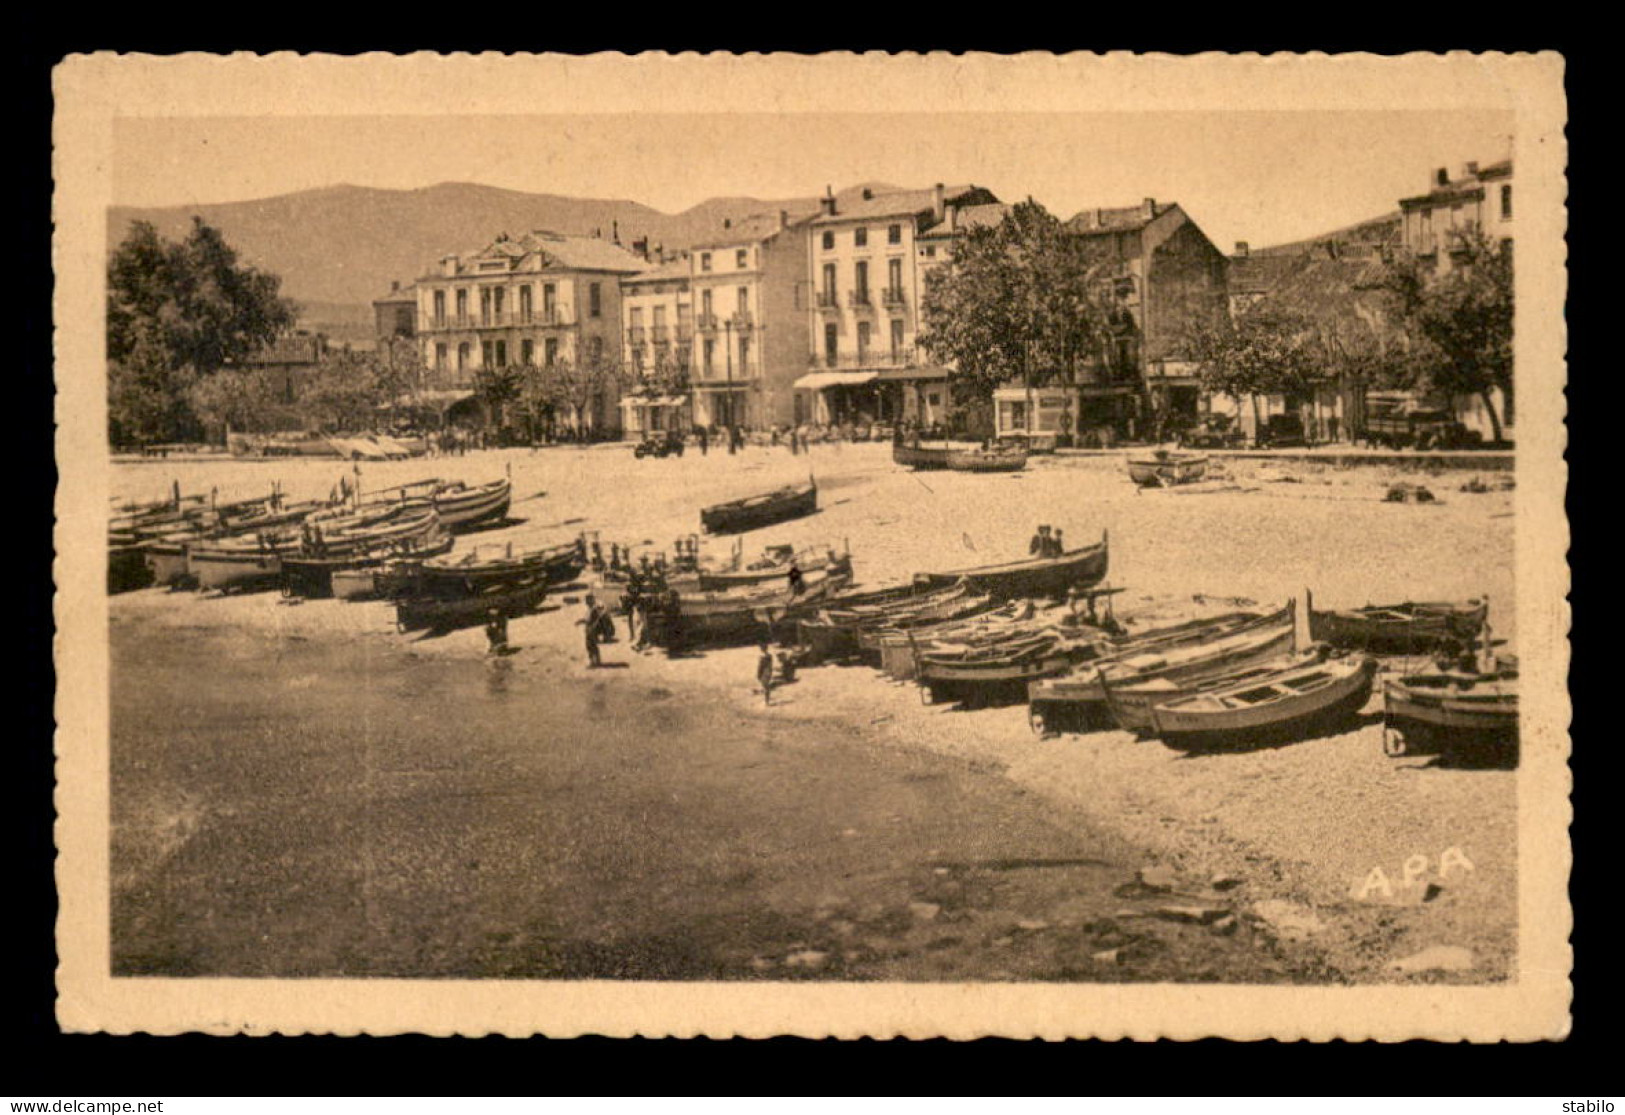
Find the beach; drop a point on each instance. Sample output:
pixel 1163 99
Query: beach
pixel 1334 860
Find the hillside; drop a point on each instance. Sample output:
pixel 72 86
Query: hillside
pixel 343 245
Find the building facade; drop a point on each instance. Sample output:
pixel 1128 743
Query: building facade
pixel 657 317
pixel 541 300
pixel 1478 200
pixel 396 313
pixel 748 296
pixel 865 279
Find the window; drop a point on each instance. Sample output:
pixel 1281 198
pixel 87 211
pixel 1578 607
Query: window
pixel 860 237
pixel 636 314
pixel 861 280
pixel 550 307
pixel 896 337
pixel 829 284
pixel 829 241
pixel 742 259
pixel 527 352
pixel 462 357
pixel 440 307
pixel 705 261
pixel 462 305
pixel 485 305
pixel 439 358
pixel 931 252
pixel 487 357
pixel 1506 203
pixel 863 339
pixel 660 318
pixel 595 299
pixel 502 352
pixel 934 398
pixel 744 300
pixel 496 301
pixel 710 355
pixel 705 303
pixel 894 234
pixel 595 349
pixel 525 299
pixel 832 343
pixel 744 352
pixel 894 276
pixel 550 351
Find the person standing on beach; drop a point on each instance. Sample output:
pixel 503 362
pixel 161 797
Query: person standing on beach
pixel 764 675
pixel 705 441
pixel 797 581
pixel 593 622
pixel 1056 546
pixel 1039 546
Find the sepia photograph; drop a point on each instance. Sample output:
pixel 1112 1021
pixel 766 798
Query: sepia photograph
pixel 1048 545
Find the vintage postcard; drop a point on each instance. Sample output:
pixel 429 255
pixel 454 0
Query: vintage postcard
pixel 1041 546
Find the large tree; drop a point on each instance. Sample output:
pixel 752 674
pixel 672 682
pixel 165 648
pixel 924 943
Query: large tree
pixel 1459 321
pixel 1022 301
pixel 1263 351
pixel 176 314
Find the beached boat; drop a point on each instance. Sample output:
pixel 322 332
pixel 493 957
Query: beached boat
pixel 311 576
pixel 445 612
pixel 1081 568
pixel 1004 669
pixel 1468 718
pixel 761 612
pixel 484 566
pixel 462 508
pixel 1130 703
pixel 238 567
pixel 127 567
pixel 986 460
pixel 759 511
pixel 774 565
pixel 919 456
pixel 1282 707
pixel 1409 628
pixel 1167 469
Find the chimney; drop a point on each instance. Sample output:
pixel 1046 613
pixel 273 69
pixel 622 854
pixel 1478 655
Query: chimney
pixel 727 222
pixel 394 285
pixel 784 218
pixel 1441 177
pixel 1470 170
pixel 939 201
pixel 1097 218
pixel 1148 208
pixel 1241 249
pixel 953 218
pixel 615 231
pixel 868 194
pixel 827 202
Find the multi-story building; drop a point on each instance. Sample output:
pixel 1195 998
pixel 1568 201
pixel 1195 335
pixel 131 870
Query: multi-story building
pixel 1166 278
pixel 748 290
pixel 657 316
pixel 541 300
pixel 1478 200
pixel 865 279
pixel 396 313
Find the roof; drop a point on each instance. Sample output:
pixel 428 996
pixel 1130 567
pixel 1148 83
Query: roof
pixel 671 269
pixel 553 251
pixel 1377 232
pixel 1253 274
pixel 967 217
pixel 1341 293
pixel 756 226
pixel 897 203
pixel 407 293
pixel 1468 184
pixel 1128 219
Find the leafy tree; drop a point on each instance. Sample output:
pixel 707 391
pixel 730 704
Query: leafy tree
pixel 1459 322
pixel 177 313
pixel 1264 351
pixel 575 385
pixel 1020 301
pixel 497 386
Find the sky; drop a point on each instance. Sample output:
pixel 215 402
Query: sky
pixel 1263 177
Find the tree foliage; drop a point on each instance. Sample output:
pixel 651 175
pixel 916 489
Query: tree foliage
pixel 1020 301
pixel 1264 351
pixel 178 313
pixel 1459 321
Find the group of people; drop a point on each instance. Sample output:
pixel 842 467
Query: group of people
pixel 1044 544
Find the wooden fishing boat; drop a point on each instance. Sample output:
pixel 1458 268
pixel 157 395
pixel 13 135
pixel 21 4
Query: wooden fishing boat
pixel 1282 707
pixel 230 568
pixel 826 640
pixel 390 580
pixel 1165 469
pixel 311 576
pixel 462 508
pixel 445 612
pixel 1130 703
pixel 893 630
pixel 1081 568
pixel 773 568
pixel 127 567
pixel 1408 628
pixel 920 457
pixel 763 612
pixel 986 460
pixel 1469 718
pixel 485 566
pixel 1003 670
pixel 777 506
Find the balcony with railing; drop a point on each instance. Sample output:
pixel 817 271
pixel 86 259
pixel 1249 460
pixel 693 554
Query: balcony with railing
pixel 659 334
pixel 634 335
pixel 827 300
pixel 891 296
pixel 859 299
pixel 741 321
pixel 866 360
pixel 707 323
pixel 506 320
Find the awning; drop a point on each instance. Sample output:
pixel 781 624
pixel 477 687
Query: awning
pixel 662 401
pixel 434 400
pixel 817 381
pixel 924 371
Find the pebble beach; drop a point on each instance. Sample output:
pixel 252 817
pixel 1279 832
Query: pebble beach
pixel 1328 846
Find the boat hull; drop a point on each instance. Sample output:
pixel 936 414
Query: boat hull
pixel 228 571
pixel 734 518
pixel 919 457
pixel 1081 569
pixel 1324 710
pixel 1476 723
pixel 1426 628
pixel 979 461
pixel 469 509
pixel 1165 473
pixel 445 613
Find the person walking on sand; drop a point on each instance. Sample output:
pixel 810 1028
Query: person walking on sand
pixel 764 675
pixel 1056 546
pixel 496 631
pixel 797 581
pixel 1039 546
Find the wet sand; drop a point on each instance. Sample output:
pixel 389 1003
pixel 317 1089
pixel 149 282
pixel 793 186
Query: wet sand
pixel 1301 827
